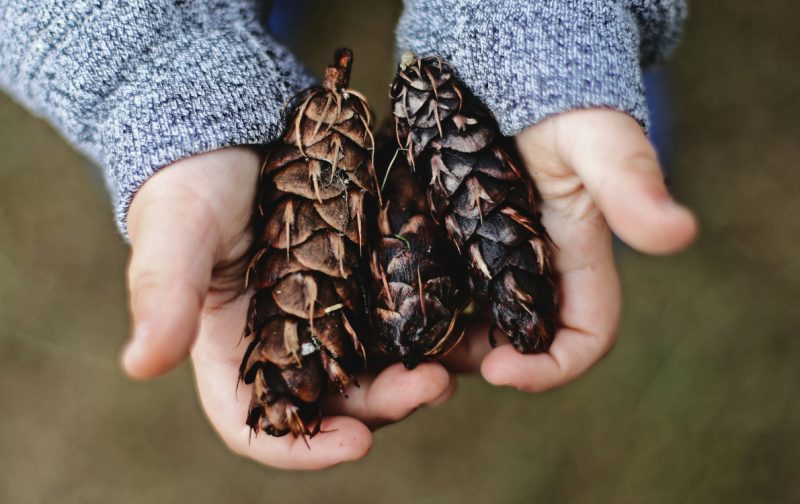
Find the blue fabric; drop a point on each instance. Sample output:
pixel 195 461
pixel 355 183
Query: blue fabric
pixel 661 115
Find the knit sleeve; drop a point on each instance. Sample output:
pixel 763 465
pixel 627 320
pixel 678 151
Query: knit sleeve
pixel 139 84
pixel 528 60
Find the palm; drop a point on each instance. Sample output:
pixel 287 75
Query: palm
pixel 593 168
pixel 189 227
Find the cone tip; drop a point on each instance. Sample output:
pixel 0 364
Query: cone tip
pixel 337 75
pixel 407 59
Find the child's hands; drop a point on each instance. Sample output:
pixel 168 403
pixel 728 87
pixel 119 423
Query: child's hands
pixel 594 169
pixel 189 229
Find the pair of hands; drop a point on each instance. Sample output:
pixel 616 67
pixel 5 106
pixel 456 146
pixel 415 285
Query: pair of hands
pixel 189 229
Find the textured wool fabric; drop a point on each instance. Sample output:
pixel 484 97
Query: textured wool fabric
pixel 139 84
pixel 531 59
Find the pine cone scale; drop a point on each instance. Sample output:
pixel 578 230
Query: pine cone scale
pixel 416 301
pixel 305 270
pixel 480 196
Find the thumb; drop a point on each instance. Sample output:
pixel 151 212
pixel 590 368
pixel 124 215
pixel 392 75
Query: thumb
pixel 620 170
pixel 173 243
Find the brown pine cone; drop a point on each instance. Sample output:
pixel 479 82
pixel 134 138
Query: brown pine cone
pixel 476 189
pixel 308 312
pixel 418 284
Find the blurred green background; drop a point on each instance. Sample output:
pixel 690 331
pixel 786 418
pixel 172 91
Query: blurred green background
pixel 698 402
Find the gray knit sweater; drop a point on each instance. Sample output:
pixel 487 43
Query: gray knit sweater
pixel 138 84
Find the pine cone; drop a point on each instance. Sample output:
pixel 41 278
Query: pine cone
pixel 418 289
pixel 475 188
pixel 307 314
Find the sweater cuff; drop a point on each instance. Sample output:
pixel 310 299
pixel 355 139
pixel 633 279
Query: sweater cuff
pixel 531 60
pixel 200 91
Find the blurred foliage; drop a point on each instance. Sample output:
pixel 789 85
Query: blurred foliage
pixel 697 403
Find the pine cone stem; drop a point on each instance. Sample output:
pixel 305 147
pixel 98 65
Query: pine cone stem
pixel 337 76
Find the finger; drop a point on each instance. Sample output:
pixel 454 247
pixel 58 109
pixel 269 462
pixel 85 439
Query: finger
pixel 572 353
pixel 394 393
pixel 216 358
pixel 467 356
pixel 341 438
pixel 589 308
pixel 173 245
pixel 620 170
pixel 587 292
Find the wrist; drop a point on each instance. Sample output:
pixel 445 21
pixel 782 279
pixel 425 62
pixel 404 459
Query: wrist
pixel 202 91
pixel 217 190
